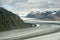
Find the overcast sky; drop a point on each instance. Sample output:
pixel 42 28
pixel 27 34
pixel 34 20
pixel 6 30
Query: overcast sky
pixel 23 5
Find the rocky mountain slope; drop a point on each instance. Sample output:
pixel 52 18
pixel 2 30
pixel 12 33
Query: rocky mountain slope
pixel 9 20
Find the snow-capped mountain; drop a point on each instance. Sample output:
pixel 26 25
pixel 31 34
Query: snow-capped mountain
pixel 45 15
pixel 33 14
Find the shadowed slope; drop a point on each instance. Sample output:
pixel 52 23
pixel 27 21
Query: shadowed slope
pixel 9 21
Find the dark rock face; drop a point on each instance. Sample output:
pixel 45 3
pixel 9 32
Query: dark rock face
pixel 31 24
pixel 9 21
pixel 46 15
pixel 58 13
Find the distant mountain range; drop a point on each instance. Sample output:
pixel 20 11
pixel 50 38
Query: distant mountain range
pixel 45 15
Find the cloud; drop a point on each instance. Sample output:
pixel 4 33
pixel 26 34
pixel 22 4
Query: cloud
pixel 33 0
pixel 31 3
pixel 46 3
pixel 21 5
pixel 6 1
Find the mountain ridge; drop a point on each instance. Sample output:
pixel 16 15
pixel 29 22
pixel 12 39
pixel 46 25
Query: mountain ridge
pixel 46 15
pixel 10 21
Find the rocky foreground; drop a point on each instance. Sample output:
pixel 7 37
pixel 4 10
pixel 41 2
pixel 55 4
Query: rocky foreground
pixel 9 20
